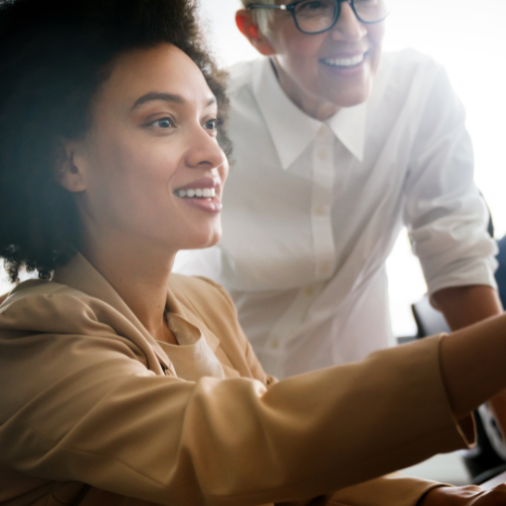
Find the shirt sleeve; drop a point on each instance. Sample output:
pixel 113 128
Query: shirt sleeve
pixel 445 214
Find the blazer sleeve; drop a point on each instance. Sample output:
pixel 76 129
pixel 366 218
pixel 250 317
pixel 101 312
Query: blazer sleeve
pixel 394 489
pixel 83 407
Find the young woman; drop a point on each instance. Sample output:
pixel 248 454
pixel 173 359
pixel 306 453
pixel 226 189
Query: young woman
pixel 123 384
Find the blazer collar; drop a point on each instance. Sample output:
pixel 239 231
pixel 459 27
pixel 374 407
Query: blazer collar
pixel 82 276
pixel 291 129
pixel 176 307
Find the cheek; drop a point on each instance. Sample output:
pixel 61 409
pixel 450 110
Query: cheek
pixel 131 180
pixel 224 170
pixel 305 52
pixel 376 34
pixel 297 48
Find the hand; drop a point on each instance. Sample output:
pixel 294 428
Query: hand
pixel 465 496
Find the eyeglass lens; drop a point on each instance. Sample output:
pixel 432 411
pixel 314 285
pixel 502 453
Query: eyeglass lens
pixel 319 15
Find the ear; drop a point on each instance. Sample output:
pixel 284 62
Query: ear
pixel 70 167
pixel 252 32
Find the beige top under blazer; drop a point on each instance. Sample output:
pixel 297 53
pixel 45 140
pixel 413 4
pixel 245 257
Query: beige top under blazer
pixel 92 412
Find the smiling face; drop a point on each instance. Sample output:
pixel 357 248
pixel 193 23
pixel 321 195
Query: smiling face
pixel 324 72
pixel 150 167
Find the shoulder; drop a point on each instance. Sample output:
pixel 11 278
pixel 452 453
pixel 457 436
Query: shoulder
pixel 406 74
pixel 409 87
pixel 408 61
pixel 49 307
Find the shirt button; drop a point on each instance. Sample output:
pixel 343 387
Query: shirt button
pixel 309 292
pixel 321 210
pixel 324 268
pixel 274 344
pixel 322 154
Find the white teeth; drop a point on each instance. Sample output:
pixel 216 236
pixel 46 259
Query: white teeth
pixel 196 192
pixel 345 62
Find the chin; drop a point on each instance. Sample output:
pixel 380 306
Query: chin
pixel 354 97
pixel 204 240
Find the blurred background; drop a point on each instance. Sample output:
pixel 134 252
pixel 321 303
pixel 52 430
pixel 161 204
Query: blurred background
pixel 469 39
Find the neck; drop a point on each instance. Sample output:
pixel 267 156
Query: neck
pixel 313 106
pixel 139 272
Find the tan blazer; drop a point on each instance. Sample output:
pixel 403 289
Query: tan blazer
pixel 87 396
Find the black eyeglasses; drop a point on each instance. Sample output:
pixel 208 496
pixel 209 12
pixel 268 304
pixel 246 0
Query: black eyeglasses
pixel 318 16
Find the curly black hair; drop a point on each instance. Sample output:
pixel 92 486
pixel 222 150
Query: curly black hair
pixel 54 54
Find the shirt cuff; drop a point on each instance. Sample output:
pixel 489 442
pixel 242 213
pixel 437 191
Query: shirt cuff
pixel 465 273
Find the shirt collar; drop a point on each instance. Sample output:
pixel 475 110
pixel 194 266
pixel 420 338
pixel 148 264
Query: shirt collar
pixel 348 126
pixel 291 129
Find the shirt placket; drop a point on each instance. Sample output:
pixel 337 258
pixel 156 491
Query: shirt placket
pixel 321 203
pixel 322 182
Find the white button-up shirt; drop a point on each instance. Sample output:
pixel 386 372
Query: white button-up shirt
pixel 312 210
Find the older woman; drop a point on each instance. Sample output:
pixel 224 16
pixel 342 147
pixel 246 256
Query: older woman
pixel 123 384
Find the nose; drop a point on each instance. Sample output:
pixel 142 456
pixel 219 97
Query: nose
pixel 348 26
pixel 204 151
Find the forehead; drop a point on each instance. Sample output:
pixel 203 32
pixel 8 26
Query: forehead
pixel 163 69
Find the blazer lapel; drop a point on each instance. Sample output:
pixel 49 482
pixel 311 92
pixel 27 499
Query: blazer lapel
pixel 81 275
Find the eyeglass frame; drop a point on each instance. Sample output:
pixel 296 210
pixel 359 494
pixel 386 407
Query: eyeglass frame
pixel 292 6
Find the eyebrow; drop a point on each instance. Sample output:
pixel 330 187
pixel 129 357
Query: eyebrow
pixel 166 97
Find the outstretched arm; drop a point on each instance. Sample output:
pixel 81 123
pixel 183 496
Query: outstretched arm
pixel 465 305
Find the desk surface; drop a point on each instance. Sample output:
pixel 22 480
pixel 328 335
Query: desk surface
pixel 500 478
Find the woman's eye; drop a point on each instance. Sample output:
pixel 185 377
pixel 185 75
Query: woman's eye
pixel 164 123
pixel 212 124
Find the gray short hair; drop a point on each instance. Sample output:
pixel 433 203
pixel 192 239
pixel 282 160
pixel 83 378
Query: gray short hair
pixel 261 16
